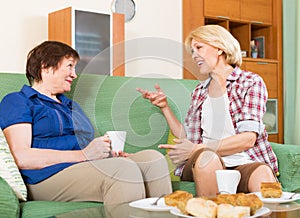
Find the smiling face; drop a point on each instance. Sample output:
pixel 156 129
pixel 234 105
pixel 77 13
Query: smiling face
pixel 59 80
pixel 205 56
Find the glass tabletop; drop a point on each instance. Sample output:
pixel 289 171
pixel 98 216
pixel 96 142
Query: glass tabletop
pixel 291 209
pixel 283 207
pixel 115 211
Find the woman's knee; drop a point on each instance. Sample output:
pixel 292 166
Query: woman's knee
pixel 264 172
pixel 151 154
pixel 148 156
pixel 208 158
pixel 122 169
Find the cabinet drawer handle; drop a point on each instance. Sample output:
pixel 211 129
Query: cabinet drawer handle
pixel 256 22
pixel 261 62
pixel 223 17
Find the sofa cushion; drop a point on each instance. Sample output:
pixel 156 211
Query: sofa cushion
pixel 112 103
pixel 99 211
pixel 171 166
pixel 289 165
pixel 9 203
pixel 40 209
pixel 185 186
pixel 9 170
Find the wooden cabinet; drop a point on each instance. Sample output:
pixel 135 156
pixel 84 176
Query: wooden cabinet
pixel 247 20
pixel 268 71
pixel 96 36
pixel 257 11
pixel 226 9
pixel 254 11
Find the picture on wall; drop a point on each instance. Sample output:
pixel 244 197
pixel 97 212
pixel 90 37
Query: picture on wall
pixel 260 44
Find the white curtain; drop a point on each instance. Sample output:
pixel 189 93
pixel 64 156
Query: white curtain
pixel 291 70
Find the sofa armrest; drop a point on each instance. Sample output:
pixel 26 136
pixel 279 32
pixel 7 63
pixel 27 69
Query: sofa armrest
pixel 9 203
pixel 289 165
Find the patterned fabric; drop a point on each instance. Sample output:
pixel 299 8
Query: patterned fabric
pixel 9 170
pixel 247 94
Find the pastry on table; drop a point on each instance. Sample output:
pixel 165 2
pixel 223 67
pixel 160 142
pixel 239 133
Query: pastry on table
pixel 253 201
pixel 201 208
pixel 178 199
pixel 241 199
pixel 271 189
pixel 229 211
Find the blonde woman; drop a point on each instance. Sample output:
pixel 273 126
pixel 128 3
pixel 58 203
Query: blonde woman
pixel 223 128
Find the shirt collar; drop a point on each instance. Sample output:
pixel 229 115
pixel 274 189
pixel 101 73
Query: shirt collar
pixel 235 74
pixel 206 83
pixel 29 92
pixel 232 77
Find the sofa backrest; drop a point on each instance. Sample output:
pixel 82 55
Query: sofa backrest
pixel 112 103
pixel 11 82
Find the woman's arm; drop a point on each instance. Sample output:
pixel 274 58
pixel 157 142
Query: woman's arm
pixel 183 149
pixel 175 126
pixel 233 144
pixel 19 139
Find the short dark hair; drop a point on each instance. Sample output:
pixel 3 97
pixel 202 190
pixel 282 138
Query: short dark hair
pixel 47 54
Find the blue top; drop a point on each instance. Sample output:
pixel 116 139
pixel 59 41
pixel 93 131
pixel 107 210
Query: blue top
pixel 58 126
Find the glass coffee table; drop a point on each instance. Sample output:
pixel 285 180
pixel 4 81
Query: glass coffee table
pixel 284 210
pixel 115 211
pixel 287 210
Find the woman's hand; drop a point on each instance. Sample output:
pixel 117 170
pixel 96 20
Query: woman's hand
pixel 99 148
pixel 157 98
pixel 105 138
pixel 123 154
pixel 181 151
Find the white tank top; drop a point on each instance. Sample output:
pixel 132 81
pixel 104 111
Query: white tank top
pixel 217 124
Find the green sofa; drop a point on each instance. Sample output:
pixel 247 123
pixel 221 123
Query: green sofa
pixel 113 103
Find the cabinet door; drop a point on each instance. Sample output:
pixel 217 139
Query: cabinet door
pixel 229 9
pixel 257 11
pixel 60 26
pixel 268 71
pixel 90 34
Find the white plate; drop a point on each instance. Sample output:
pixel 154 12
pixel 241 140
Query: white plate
pixel 262 211
pixel 146 204
pixel 283 199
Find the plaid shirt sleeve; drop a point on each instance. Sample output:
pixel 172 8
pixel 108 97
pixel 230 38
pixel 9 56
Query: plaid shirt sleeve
pixel 254 107
pixel 251 119
pixel 255 101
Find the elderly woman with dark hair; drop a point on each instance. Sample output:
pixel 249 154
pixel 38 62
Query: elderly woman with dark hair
pixel 53 141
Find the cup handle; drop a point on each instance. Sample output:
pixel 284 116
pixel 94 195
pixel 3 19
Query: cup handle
pixel 239 177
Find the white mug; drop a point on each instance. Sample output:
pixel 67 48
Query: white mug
pixel 228 181
pixel 117 139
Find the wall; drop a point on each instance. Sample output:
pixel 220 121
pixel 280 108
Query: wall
pixel 152 38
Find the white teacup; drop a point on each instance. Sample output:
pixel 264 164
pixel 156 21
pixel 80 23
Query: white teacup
pixel 117 139
pixel 228 181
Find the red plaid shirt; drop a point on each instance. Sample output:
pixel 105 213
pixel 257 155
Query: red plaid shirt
pixel 247 94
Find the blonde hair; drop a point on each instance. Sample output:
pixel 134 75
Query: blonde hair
pixel 218 37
